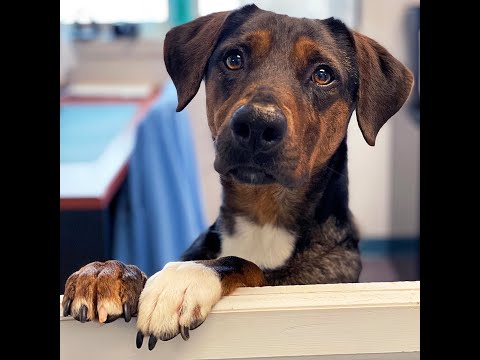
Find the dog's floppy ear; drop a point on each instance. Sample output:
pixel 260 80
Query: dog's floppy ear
pixel 384 86
pixel 186 51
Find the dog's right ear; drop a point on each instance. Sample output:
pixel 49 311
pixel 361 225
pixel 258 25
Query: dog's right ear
pixel 186 51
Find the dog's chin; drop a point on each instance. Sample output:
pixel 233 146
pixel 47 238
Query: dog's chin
pixel 251 175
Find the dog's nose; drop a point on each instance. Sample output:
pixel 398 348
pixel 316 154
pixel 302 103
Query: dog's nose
pixel 258 127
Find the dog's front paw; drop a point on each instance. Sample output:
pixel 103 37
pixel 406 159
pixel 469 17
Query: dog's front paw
pixel 103 291
pixel 175 300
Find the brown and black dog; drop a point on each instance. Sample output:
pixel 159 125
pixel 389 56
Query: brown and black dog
pixel 280 94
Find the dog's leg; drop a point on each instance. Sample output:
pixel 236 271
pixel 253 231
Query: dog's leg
pixel 179 297
pixel 103 291
pixel 205 247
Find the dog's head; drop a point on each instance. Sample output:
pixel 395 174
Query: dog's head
pixel 281 90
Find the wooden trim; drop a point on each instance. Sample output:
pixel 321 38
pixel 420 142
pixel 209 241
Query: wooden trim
pixel 390 246
pixel 100 202
pixel 334 321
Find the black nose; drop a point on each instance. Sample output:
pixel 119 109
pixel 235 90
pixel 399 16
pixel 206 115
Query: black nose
pixel 258 127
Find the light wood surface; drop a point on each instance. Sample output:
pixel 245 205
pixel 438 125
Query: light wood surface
pixel 329 322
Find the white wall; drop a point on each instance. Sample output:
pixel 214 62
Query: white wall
pixel 384 180
pixel 120 62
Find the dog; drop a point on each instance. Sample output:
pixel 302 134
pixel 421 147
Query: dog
pixel 280 94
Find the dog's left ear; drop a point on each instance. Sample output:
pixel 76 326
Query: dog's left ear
pixel 384 86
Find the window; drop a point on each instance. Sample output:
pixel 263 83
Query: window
pixel 345 10
pixel 111 11
pixel 206 7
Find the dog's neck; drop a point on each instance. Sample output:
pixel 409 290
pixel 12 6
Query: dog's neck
pixel 323 197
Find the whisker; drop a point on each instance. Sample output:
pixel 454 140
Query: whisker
pixel 335 171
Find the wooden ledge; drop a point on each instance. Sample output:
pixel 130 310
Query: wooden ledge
pixel 329 322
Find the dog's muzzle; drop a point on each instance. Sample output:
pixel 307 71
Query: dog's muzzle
pixel 256 132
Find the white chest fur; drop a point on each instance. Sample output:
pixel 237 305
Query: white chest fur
pixel 267 246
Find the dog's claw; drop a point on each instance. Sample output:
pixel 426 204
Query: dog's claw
pixel 196 324
pixel 184 332
pixel 83 313
pixel 152 342
pixel 126 312
pixel 66 308
pixel 111 318
pixel 139 340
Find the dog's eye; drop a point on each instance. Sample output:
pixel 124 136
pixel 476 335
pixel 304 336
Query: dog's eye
pixel 323 75
pixel 233 60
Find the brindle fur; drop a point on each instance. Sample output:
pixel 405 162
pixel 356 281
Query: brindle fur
pixel 311 199
pixel 327 239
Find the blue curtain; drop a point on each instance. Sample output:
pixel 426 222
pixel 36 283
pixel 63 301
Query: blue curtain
pixel 159 210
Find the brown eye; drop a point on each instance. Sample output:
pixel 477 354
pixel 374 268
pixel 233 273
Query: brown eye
pixel 323 75
pixel 234 60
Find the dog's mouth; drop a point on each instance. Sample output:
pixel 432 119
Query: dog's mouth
pixel 251 175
